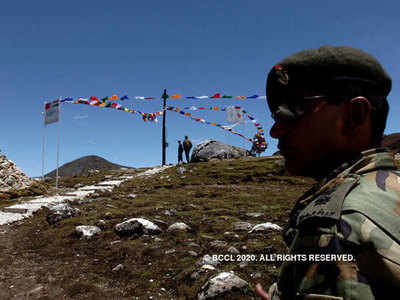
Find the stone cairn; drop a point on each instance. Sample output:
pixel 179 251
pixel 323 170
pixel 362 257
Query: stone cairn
pixel 11 177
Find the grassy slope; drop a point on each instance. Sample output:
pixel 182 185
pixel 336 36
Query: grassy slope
pixel 209 197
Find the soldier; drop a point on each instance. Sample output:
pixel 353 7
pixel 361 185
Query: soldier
pixel 330 109
pixel 180 152
pixel 187 145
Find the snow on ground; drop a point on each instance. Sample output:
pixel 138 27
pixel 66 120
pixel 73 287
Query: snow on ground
pixel 21 211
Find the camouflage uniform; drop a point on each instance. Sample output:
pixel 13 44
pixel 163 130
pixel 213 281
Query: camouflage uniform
pixel 355 210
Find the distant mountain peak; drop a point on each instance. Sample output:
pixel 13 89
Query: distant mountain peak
pixel 84 165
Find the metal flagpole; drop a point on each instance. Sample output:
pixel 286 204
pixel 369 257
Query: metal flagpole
pixel 44 140
pixel 164 143
pixel 58 140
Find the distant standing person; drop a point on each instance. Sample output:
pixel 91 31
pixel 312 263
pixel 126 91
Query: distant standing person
pixel 187 145
pixel 180 152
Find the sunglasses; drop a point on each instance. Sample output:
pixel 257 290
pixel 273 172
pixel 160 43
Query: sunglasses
pixel 290 111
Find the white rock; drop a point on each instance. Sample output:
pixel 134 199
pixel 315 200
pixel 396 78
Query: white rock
pixel 207 260
pixel 221 283
pixel 233 250
pixel 207 267
pixel 242 226
pixel 179 227
pixel 118 268
pixel 87 231
pixel 137 225
pixel 265 227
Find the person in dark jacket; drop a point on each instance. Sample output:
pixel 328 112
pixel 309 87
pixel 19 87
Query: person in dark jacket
pixel 180 152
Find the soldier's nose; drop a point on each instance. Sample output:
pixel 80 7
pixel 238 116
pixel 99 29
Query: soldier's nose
pixel 278 130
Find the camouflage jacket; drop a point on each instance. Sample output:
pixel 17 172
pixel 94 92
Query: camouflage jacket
pixel 354 211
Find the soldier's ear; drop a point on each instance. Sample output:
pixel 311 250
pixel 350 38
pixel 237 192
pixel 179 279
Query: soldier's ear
pixel 357 113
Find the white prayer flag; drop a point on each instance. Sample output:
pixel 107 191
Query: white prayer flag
pixel 52 112
pixel 234 115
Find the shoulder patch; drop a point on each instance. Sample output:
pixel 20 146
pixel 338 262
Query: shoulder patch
pixel 327 205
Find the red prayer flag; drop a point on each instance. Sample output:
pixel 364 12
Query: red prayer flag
pixel 217 95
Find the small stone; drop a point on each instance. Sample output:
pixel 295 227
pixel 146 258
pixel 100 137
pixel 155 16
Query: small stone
pixel 118 268
pixel 179 227
pixel 221 283
pixel 233 250
pixel 254 215
pixel 242 226
pixel 136 226
pixel 87 231
pixel 207 260
pixel 218 244
pixel 207 267
pixel 193 245
pixel 192 253
pixel 170 251
pixel 265 227
pixel 243 264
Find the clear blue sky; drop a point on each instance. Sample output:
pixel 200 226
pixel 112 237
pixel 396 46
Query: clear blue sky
pixel 98 48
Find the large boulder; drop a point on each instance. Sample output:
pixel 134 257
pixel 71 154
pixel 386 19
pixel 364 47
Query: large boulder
pixel 211 149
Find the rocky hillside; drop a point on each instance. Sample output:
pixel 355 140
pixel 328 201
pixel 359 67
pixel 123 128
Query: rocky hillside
pixel 11 177
pixel 84 165
pixel 154 237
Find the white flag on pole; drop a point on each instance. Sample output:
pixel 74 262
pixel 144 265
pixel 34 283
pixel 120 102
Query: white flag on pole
pixel 52 112
pixel 234 115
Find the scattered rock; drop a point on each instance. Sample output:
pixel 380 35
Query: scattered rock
pixel 36 291
pixel 179 227
pixel 254 215
pixel 170 251
pixel 207 267
pixel 87 231
pixel 193 245
pixel 218 244
pixel 181 170
pixel 207 260
pixel 233 250
pixel 118 268
pixel 264 227
pixel 221 283
pixel 137 226
pixel 231 235
pixel 242 226
pixel 60 212
pixel 192 253
pixel 132 195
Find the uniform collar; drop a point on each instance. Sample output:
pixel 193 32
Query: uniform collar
pixel 367 161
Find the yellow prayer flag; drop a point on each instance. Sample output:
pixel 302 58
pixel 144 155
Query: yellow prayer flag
pixel 176 96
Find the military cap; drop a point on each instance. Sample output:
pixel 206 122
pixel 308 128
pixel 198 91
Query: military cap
pixel 330 70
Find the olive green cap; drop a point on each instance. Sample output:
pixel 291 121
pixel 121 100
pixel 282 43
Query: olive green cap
pixel 329 70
